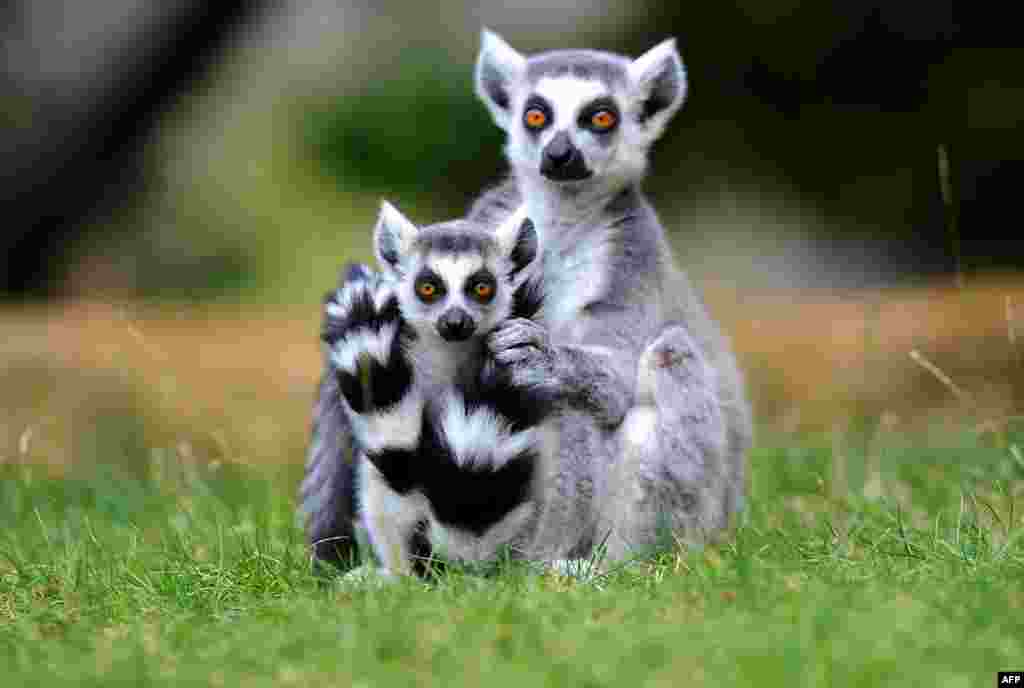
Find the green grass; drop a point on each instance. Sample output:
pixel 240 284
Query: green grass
pixel 201 576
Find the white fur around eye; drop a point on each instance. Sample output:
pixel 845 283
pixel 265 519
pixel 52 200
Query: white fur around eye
pixel 455 269
pixel 567 95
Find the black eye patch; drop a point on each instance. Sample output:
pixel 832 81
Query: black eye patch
pixel 537 114
pixel 593 113
pixel 481 286
pixel 429 286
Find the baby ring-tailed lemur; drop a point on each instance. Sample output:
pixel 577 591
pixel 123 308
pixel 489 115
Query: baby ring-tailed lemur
pixel 448 453
pixel 652 427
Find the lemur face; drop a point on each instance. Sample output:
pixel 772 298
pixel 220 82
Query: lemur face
pixel 569 128
pixel 453 291
pixel 456 280
pixel 575 117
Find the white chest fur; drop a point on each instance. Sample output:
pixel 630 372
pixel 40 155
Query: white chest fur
pixel 576 264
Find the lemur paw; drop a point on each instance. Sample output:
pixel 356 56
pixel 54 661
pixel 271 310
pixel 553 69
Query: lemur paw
pixel 363 329
pixel 522 351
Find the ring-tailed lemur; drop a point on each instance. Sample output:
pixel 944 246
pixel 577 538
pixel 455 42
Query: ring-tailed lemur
pixel 452 455
pixel 653 426
pixel 448 453
pixel 647 383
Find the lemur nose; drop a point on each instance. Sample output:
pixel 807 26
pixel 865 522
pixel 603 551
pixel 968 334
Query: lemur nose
pixel 456 325
pixel 560 150
pixel 562 161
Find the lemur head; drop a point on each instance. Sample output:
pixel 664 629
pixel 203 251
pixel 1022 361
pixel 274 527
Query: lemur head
pixel 579 117
pixel 456 279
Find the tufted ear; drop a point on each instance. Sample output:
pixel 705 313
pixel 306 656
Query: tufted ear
pixel 658 79
pixel 498 69
pixel 392 237
pixel 518 240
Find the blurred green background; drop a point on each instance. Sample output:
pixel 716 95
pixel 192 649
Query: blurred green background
pixel 241 153
pixel 183 182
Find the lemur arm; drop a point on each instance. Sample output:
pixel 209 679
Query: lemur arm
pixel 595 379
pixel 596 373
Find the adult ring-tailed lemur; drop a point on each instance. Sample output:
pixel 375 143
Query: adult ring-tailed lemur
pixel 652 423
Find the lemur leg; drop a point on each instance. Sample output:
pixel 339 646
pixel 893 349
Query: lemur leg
pixel 393 521
pixel 375 377
pixel 670 476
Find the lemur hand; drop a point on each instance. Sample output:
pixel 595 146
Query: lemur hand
pixel 523 352
pixel 363 329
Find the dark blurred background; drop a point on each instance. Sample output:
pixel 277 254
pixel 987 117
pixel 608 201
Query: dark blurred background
pixel 181 180
pixel 239 149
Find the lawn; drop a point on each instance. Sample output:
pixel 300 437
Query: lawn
pixel 150 457
pixel 182 571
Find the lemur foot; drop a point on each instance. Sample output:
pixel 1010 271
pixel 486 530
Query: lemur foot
pixel 673 362
pixel 366 576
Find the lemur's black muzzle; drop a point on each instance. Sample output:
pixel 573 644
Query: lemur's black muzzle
pixel 456 325
pixel 562 161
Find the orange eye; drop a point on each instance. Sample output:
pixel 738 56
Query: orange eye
pixel 483 290
pixel 427 291
pixel 535 118
pixel 603 120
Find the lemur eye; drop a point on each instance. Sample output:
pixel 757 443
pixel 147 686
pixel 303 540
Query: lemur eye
pixel 603 120
pixel 535 118
pixel 483 291
pixel 427 291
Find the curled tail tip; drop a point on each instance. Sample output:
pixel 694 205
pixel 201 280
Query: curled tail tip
pixel 355 272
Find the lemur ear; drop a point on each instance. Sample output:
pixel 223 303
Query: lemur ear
pixel 498 68
pixel 518 240
pixel 658 79
pixel 392 237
